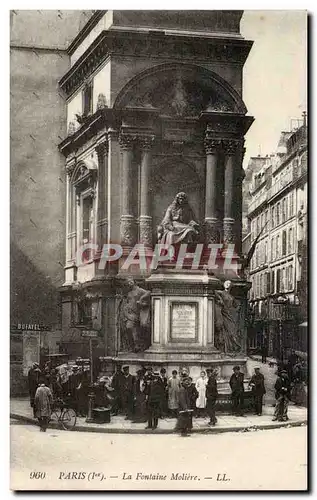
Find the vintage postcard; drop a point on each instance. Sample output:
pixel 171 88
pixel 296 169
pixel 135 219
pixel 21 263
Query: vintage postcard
pixel 158 326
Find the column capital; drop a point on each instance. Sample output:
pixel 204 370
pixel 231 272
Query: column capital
pixel 70 166
pixel 102 148
pixel 231 146
pixel 212 146
pixel 127 141
pixel 146 142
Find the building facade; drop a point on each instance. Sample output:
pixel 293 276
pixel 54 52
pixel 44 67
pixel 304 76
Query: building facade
pixel 278 213
pixel 154 107
pixel 38 57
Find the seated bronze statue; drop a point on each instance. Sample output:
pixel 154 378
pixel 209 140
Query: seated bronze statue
pixel 178 225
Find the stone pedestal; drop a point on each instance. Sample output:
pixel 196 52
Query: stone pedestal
pixel 183 327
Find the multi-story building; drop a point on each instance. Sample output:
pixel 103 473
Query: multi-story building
pixel 38 57
pixel 278 213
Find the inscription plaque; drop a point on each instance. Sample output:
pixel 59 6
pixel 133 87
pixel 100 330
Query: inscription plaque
pixel 184 322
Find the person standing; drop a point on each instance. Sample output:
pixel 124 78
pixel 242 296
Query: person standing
pixel 127 392
pixel 116 384
pixel 192 393
pixel 184 421
pixel 140 413
pixel 201 383
pixel 164 409
pixel 154 395
pixel 34 374
pixel 258 390
pixel 211 396
pixel 282 395
pixel 298 394
pixel 237 391
pixel 264 348
pixel 43 402
pixel 173 390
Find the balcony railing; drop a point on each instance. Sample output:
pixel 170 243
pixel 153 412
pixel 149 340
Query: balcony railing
pixel 259 200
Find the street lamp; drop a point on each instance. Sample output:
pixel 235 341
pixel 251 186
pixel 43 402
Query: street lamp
pixel 282 300
pixel 90 334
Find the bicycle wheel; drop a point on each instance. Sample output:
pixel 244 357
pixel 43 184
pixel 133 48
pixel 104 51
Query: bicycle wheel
pixel 55 417
pixel 68 419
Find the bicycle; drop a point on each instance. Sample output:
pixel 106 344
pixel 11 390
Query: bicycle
pixel 63 416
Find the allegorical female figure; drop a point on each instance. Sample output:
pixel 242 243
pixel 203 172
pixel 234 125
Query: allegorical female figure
pixel 227 321
pixel 178 225
pixel 134 315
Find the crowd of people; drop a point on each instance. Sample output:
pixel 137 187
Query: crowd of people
pixel 151 395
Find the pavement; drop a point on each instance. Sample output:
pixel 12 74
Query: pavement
pixel 59 460
pixel 20 410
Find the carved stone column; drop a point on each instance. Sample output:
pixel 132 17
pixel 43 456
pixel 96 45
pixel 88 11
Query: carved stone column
pixel 70 214
pixel 145 219
pixel 102 220
pixel 212 147
pixel 127 219
pixel 230 149
pixel 238 200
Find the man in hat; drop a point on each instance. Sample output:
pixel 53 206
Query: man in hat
pixel 127 392
pixel 116 384
pixel 164 409
pixel 211 396
pixel 154 396
pixel 43 402
pixel 140 414
pixel 237 391
pixel 34 374
pixel 258 390
pixel 282 395
pixel 184 421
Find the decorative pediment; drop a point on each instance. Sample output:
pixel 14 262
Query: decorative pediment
pixel 85 173
pixel 180 90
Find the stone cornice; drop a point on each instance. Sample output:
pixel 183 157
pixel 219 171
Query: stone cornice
pixel 105 120
pixel 129 43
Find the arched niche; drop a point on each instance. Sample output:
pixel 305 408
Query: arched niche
pixel 181 90
pixel 169 178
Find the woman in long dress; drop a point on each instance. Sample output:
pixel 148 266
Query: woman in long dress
pixel 201 383
pixel 173 391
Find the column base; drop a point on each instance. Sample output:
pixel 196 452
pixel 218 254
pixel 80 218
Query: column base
pixel 146 236
pixel 228 230
pixel 127 230
pixel 212 230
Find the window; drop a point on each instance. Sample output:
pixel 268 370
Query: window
pixel 284 210
pixel 277 214
pixel 277 247
pixel 261 285
pixel 87 99
pixel 284 243
pixel 290 240
pixel 262 220
pixel 278 280
pixel 87 219
pixel 84 308
pixel 257 225
pixel 266 220
pixel 265 252
pixel 273 281
pixel 267 284
pixel 273 217
pixel 291 204
pixel 272 249
pixel 283 280
pixel 290 277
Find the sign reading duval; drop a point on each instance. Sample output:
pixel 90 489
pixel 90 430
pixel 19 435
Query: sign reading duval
pixel 184 321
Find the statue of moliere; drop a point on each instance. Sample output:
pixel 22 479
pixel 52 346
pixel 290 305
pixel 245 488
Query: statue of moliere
pixel 178 225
